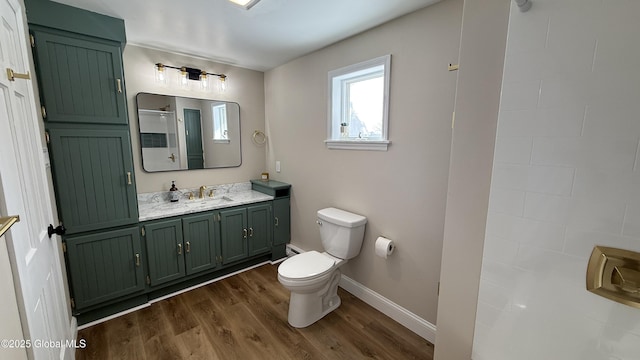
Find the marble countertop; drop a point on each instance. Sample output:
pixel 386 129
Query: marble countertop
pixel 156 205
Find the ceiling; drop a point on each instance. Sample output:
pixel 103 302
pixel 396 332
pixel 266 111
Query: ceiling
pixel 270 34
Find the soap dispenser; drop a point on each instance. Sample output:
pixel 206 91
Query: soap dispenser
pixel 173 192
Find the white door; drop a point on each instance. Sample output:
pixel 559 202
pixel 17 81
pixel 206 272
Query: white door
pixel 24 191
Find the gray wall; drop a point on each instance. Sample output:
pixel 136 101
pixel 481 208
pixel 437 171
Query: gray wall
pixel 401 191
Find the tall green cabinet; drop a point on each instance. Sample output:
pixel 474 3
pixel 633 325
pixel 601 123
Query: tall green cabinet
pixel 78 62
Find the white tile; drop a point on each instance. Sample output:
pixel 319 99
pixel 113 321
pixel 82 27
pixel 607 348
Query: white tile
pixel 506 201
pixel 612 119
pixel 565 151
pixel 562 120
pixel 551 180
pixel 605 152
pixel 604 184
pixel 537 234
pixel 549 208
pixel 520 95
pixel 505 176
pixel 596 214
pixel 500 249
pixel 631 225
pixel 513 150
pixel 516 123
pixel 579 242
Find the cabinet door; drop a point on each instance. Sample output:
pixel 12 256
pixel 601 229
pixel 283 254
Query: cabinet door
pixel 93 171
pixel 200 242
pixel 165 250
pixel 259 229
pixel 104 266
pixel 81 78
pixel 233 235
pixel 281 221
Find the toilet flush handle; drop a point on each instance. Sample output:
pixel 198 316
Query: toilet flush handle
pixel 319 222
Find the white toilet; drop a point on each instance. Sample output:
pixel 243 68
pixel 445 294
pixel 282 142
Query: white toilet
pixel 313 277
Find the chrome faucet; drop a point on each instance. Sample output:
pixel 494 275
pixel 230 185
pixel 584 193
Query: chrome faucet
pixel 202 188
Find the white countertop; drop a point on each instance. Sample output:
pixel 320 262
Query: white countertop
pixel 156 205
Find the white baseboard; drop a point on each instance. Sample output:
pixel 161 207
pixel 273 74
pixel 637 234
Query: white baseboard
pixel 406 318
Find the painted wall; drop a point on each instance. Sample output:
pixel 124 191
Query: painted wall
pixel 566 177
pixel 482 48
pixel 246 87
pixel 402 191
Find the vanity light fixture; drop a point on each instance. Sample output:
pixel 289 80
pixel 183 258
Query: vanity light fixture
pixel 246 4
pixel 188 73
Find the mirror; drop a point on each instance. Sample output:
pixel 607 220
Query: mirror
pixel 179 133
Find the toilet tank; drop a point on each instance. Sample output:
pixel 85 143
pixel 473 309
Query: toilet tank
pixel 341 232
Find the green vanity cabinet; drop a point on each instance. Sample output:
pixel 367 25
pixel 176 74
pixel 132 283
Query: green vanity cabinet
pixel 104 266
pixel 245 232
pixel 179 247
pixel 165 250
pixel 281 193
pixel 201 242
pixel 281 221
pixel 93 177
pixel 81 78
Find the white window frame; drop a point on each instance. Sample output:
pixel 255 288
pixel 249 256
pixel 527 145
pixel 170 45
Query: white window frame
pixel 338 109
pixel 214 111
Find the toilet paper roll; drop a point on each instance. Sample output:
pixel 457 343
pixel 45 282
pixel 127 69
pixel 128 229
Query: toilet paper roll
pixel 384 247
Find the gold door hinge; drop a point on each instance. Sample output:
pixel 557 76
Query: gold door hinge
pixel 73 303
pixel 142 231
pixel 32 40
pixel 64 247
pixel 148 280
pixel 43 111
pixel 46 137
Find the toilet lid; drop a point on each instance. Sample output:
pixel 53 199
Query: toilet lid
pixel 307 265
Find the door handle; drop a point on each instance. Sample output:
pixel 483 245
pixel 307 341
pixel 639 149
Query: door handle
pixel 179 249
pixel 244 233
pixel 173 157
pixel 58 230
pixel 119 84
pixel 277 221
pixel 250 232
pixel 138 260
pixel 187 247
pixel 129 178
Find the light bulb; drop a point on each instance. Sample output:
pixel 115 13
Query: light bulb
pixel 204 81
pixel 161 76
pixel 184 76
pixel 222 83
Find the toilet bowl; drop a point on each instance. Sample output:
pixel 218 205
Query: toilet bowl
pixel 313 277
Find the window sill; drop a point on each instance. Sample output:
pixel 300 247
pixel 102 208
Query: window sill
pixel 375 145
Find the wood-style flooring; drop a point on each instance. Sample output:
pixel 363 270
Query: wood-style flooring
pixel 245 317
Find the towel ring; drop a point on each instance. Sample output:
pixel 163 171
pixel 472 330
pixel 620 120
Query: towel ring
pixel 259 138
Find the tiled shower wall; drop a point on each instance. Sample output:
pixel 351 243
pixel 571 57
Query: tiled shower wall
pixel 566 177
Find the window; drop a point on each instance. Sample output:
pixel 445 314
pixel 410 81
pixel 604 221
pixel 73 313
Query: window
pixel 220 130
pixel 359 105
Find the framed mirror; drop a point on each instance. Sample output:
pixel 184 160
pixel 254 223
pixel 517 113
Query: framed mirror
pixel 179 133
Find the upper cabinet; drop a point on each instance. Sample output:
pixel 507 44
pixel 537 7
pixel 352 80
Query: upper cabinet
pixel 81 78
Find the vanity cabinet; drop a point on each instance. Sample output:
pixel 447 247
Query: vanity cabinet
pixel 245 232
pixel 281 193
pixel 81 78
pixel 180 247
pixel 105 266
pixel 93 176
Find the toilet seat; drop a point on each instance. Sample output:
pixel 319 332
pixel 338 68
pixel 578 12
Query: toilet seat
pixel 306 266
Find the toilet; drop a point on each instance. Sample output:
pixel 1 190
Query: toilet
pixel 313 277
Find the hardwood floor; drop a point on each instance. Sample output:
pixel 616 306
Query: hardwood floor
pixel 245 317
